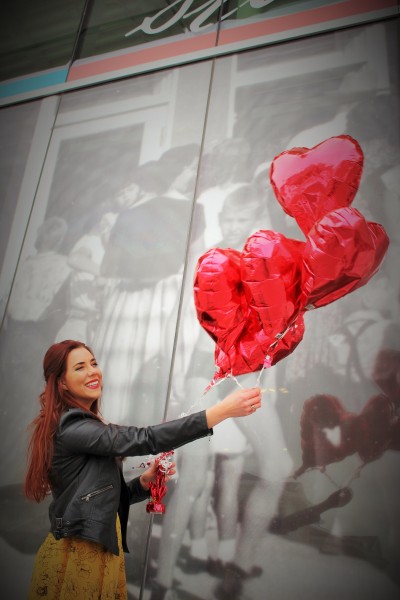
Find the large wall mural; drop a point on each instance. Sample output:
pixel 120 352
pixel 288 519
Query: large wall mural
pixel 119 190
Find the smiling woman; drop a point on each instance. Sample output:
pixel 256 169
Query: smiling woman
pixel 76 456
pixel 83 377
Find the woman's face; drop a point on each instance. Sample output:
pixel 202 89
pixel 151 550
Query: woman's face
pixel 83 378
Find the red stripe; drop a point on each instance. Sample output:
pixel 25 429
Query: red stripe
pixel 197 43
pixel 348 8
pixel 140 57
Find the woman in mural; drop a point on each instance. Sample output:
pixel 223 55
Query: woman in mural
pixel 145 251
pixel 76 455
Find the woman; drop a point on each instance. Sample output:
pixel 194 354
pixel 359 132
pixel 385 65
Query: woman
pixel 76 456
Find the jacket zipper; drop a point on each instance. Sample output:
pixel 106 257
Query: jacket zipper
pixel 90 495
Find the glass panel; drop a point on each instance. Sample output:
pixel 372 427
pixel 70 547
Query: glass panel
pixel 102 261
pixel 241 520
pixel 24 133
pixel 36 36
pixel 17 126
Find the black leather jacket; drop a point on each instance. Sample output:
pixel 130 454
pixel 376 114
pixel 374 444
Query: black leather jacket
pixel 87 484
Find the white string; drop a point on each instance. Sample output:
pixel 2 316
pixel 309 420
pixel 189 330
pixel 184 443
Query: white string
pixel 278 338
pixel 197 405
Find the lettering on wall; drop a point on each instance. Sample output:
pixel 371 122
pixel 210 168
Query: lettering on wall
pixel 157 23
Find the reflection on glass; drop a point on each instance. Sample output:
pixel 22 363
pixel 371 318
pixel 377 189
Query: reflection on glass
pixel 103 259
pixel 241 517
pixel 115 26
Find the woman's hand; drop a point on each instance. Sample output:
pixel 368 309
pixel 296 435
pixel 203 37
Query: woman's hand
pixel 241 403
pixel 150 475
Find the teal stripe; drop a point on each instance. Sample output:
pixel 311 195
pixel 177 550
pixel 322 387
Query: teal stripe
pixel 32 83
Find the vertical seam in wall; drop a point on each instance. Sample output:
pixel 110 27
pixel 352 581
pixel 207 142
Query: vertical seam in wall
pixel 85 16
pixel 185 273
pixel 185 270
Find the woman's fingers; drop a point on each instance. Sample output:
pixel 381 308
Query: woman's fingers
pixel 246 401
pixel 253 396
pixel 253 399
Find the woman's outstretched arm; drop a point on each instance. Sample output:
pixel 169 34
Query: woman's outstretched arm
pixel 240 403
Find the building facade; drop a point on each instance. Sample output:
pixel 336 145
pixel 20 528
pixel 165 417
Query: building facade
pixel 135 136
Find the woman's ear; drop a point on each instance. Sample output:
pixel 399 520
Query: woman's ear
pixel 63 384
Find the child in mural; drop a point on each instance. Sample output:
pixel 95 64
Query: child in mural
pixel 223 167
pixel 243 212
pixel 76 455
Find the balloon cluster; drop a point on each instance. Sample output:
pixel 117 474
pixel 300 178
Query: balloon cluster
pixel 252 302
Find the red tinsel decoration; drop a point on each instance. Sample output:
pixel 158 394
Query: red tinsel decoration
pixel 158 488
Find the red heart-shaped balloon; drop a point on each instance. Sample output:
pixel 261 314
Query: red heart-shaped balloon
pixel 243 342
pixel 254 350
pixel 271 275
pixel 311 182
pixel 321 415
pixel 343 251
pixel 222 309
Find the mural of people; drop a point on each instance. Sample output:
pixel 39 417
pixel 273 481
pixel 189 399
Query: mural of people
pixel 138 169
pixel 144 253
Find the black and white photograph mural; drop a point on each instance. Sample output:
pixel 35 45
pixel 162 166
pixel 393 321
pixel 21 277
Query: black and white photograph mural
pixel 121 190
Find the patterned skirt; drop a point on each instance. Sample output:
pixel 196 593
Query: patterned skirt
pixel 75 569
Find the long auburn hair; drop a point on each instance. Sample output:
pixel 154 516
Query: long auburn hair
pixel 54 400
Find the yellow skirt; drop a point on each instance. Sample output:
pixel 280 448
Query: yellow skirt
pixel 71 568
